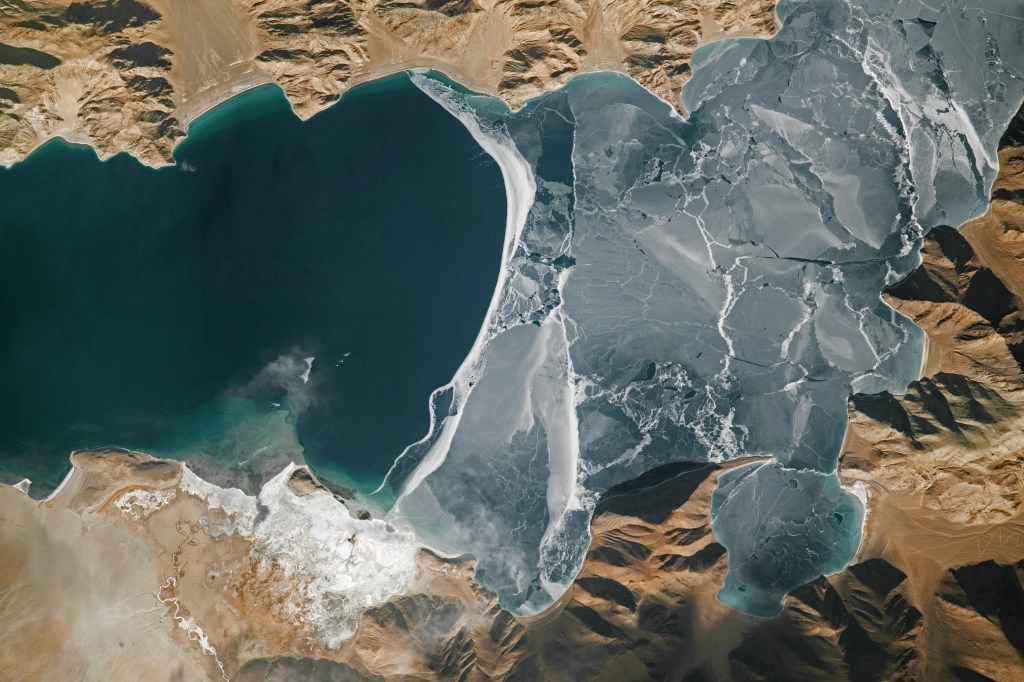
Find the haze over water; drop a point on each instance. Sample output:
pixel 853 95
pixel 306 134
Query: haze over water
pixel 175 310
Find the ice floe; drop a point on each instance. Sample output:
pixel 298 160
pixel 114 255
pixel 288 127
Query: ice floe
pixel 705 289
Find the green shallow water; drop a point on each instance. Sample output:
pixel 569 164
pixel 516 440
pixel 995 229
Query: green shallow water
pixel 172 310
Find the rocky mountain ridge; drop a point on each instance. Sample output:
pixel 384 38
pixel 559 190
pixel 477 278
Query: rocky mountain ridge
pixel 130 75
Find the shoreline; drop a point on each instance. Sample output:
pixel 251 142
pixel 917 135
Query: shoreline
pixel 218 99
pixel 211 98
pixel 520 188
pixel 248 73
pixel 214 97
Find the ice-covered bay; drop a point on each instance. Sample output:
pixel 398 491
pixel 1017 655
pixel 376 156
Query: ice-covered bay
pixel 704 289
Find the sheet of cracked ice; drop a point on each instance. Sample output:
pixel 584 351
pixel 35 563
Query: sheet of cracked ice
pixel 705 289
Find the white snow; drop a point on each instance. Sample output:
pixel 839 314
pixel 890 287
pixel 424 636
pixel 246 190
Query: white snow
pixel 335 566
pixel 343 565
pixel 241 509
pixel 140 503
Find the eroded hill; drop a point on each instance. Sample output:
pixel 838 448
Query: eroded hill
pixel 130 75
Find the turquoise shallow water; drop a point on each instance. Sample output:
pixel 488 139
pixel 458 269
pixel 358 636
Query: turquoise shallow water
pixel 174 310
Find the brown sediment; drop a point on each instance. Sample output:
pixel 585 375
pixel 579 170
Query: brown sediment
pixel 303 482
pixel 77 593
pixel 97 476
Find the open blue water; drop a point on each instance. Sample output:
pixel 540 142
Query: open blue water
pixel 173 310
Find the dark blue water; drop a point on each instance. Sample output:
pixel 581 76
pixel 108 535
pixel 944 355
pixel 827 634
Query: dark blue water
pixel 173 310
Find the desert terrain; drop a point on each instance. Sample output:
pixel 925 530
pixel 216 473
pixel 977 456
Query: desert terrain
pixel 131 75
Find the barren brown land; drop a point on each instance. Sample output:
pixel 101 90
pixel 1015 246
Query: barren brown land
pixel 130 75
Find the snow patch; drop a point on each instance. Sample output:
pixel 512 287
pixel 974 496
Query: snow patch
pixel 341 565
pixel 334 566
pixel 241 509
pixel 140 503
